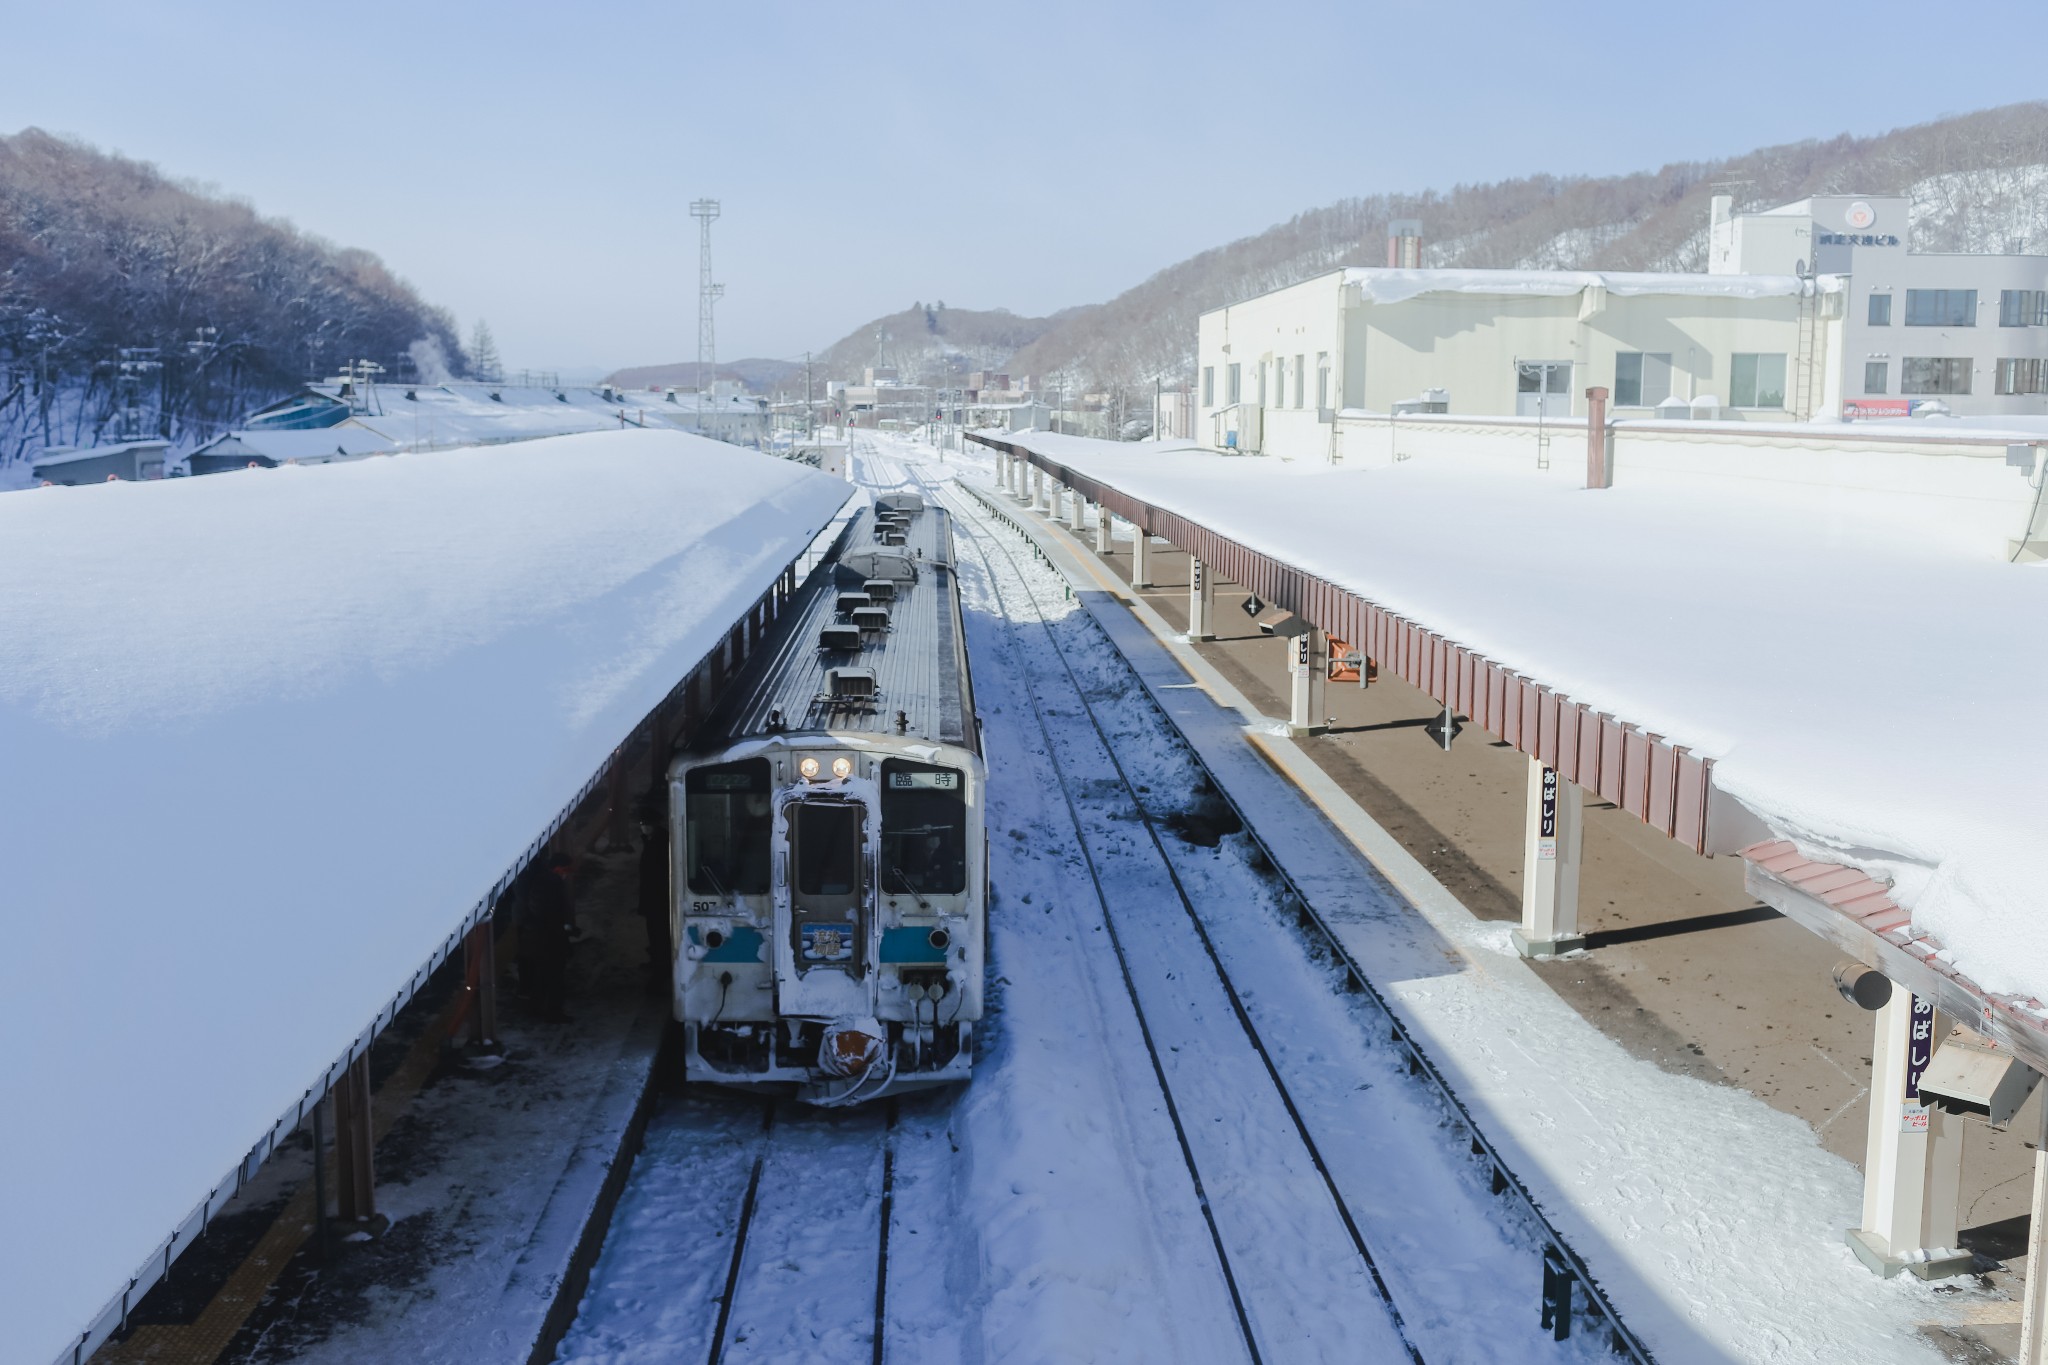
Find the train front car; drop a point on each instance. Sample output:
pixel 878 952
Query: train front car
pixel 831 869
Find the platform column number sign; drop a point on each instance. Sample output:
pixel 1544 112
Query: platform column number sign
pixel 1308 655
pixel 1912 1167
pixel 1553 837
pixel 1201 601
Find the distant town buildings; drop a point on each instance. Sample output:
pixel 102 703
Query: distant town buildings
pixel 1817 310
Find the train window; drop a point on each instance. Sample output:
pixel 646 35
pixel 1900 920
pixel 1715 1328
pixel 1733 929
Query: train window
pixel 731 825
pixel 924 829
pixel 827 848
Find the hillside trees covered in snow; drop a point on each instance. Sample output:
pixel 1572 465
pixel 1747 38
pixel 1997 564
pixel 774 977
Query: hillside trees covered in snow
pixel 100 254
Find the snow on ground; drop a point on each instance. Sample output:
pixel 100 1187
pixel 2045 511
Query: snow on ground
pixel 1843 656
pixel 269 735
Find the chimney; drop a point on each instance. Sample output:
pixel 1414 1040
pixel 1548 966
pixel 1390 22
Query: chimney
pixel 1404 244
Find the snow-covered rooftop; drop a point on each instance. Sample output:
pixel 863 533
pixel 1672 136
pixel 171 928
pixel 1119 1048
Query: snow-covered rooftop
pixel 319 443
pixel 1850 646
pixel 379 681
pixel 1388 285
pixel 50 459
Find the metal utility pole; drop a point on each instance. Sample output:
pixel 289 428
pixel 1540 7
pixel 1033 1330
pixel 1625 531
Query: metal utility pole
pixel 705 211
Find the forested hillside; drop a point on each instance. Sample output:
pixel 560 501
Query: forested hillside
pixel 1979 183
pixel 930 342
pixel 216 308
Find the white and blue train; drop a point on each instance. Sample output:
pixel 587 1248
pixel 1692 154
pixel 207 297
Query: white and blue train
pixel 830 870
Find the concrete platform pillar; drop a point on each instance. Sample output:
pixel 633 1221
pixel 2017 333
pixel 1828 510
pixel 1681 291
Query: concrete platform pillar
pixel 1037 489
pixel 1308 661
pixel 1201 601
pixel 1077 510
pixel 1105 529
pixel 1141 557
pixel 355 1189
pixel 2034 1297
pixel 1055 501
pixel 1552 841
pixel 1913 1160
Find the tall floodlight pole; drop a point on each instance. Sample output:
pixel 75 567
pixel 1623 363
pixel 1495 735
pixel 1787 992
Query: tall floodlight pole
pixel 705 211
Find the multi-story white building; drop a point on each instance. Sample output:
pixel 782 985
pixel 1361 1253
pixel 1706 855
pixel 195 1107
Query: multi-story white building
pixel 1762 336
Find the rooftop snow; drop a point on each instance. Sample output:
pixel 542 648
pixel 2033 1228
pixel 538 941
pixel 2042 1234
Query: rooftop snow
pixel 1846 655
pixel 269 739
pixel 1383 285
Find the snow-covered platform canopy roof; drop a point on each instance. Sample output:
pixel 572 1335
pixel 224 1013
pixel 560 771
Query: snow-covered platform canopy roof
pixel 273 740
pixel 1817 661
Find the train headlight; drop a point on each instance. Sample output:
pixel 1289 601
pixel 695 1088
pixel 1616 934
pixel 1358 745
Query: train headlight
pixel 842 767
pixel 809 768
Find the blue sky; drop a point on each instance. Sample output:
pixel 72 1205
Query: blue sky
pixel 533 164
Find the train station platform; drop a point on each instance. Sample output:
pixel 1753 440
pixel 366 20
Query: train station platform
pixel 1688 972
pixel 277 743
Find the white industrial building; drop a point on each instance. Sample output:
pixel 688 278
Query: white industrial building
pixel 1813 311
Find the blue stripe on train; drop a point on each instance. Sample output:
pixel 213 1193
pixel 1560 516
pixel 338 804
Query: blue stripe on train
pixel 743 944
pixel 910 945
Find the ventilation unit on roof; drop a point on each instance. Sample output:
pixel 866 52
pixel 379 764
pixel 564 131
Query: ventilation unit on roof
pixel 849 602
pixel 870 618
pixel 904 504
pixel 850 684
pixel 840 638
pixel 880 589
pixel 895 536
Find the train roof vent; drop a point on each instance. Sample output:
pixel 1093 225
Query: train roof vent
pixel 893 536
pixel 907 504
pixel 875 562
pixel 850 684
pixel 881 589
pixel 871 618
pixel 840 638
pixel 850 602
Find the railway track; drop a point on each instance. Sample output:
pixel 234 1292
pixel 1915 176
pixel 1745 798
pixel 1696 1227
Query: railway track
pixel 1111 697
pixel 1242 1173
pixel 827 1227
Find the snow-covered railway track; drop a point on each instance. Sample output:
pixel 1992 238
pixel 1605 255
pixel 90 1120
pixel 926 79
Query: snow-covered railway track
pixel 1422 1181
pixel 1298 1267
pixel 813 1227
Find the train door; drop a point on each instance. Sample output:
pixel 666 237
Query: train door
pixel 826 939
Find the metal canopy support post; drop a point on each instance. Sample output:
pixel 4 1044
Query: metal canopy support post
pixel 1201 601
pixel 1912 1166
pixel 1552 841
pixel 1141 556
pixel 1105 529
pixel 480 978
pixel 355 1191
pixel 2034 1298
pixel 1308 661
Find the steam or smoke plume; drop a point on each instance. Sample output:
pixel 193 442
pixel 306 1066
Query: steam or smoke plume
pixel 429 361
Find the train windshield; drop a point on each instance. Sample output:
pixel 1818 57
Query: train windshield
pixel 827 848
pixel 731 825
pixel 924 829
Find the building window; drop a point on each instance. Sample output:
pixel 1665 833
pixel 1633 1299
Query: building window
pixel 1233 383
pixel 1880 310
pixel 1322 379
pixel 1877 376
pixel 1300 379
pixel 2023 308
pixel 1934 374
pixel 2022 376
pixel 1941 308
pixel 1208 386
pixel 1641 379
pixel 1756 380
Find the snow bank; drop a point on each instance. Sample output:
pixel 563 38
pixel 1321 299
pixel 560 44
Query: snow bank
pixel 1849 666
pixel 268 736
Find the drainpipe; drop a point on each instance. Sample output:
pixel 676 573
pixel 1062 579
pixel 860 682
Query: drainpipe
pixel 1598 474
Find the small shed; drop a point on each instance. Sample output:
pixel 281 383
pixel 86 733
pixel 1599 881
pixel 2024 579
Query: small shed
pixel 269 447
pixel 127 461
